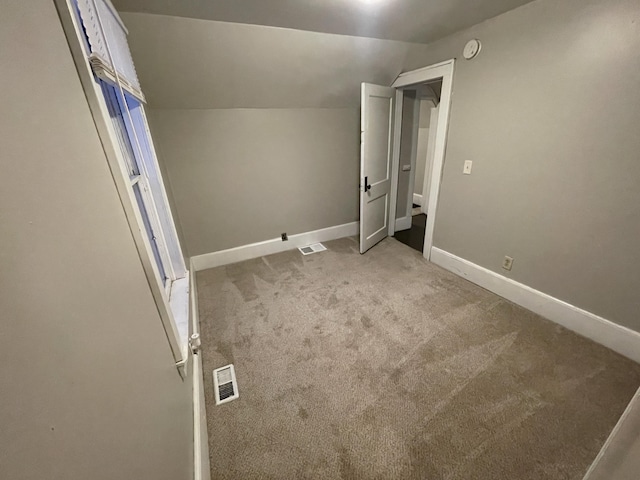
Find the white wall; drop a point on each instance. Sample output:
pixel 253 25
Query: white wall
pixel 548 112
pixel 89 389
pixel 241 176
pixel 423 142
pixel 407 153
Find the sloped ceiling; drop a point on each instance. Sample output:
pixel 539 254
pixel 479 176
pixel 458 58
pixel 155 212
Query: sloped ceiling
pixel 197 64
pixel 419 21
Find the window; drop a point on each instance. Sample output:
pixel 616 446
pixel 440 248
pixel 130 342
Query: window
pixel 137 152
pixel 115 89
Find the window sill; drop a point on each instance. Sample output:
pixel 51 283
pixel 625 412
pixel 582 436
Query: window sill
pixel 179 304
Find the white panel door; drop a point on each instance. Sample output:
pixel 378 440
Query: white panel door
pixel 376 125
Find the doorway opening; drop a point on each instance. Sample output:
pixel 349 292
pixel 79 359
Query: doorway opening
pixel 417 141
pixel 381 134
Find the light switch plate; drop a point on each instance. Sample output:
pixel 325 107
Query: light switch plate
pixel 467 167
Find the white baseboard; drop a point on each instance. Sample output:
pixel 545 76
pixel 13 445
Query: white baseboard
pixel 417 199
pixel 616 337
pixel 201 466
pixel 403 223
pixel 276 245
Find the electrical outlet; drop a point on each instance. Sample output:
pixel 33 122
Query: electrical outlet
pixel 284 237
pixel 467 167
pixel 507 263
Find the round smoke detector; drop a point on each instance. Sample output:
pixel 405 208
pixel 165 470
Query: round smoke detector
pixel 471 49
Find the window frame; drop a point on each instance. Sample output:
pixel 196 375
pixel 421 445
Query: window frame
pixel 124 182
pixel 159 233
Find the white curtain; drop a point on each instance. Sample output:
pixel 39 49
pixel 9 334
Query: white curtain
pixel 110 57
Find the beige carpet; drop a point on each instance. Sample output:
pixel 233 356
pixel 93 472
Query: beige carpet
pixel 383 366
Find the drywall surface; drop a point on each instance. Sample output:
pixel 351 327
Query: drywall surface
pixel 241 176
pixel 89 385
pixel 548 112
pixel 407 152
pixel 186 63
pixel 423 141
pixel 421 159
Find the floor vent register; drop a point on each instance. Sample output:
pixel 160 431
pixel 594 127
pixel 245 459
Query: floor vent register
pixel 225 384
pixel 315 248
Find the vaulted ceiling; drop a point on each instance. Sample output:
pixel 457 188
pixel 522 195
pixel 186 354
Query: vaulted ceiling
pixel 419 21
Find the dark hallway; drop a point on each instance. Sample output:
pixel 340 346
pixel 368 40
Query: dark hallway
pixel 414 237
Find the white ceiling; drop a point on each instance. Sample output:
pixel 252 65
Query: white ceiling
pixel 420 21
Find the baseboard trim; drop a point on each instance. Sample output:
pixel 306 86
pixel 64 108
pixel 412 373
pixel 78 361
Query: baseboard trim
pixel 403 223
pixel 417 199
pixel 616 337
pixel 201 466
pixel 276 245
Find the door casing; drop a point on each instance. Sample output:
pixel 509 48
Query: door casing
pixel 444 71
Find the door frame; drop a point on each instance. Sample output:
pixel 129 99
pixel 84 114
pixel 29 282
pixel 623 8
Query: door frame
pixel 404 81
